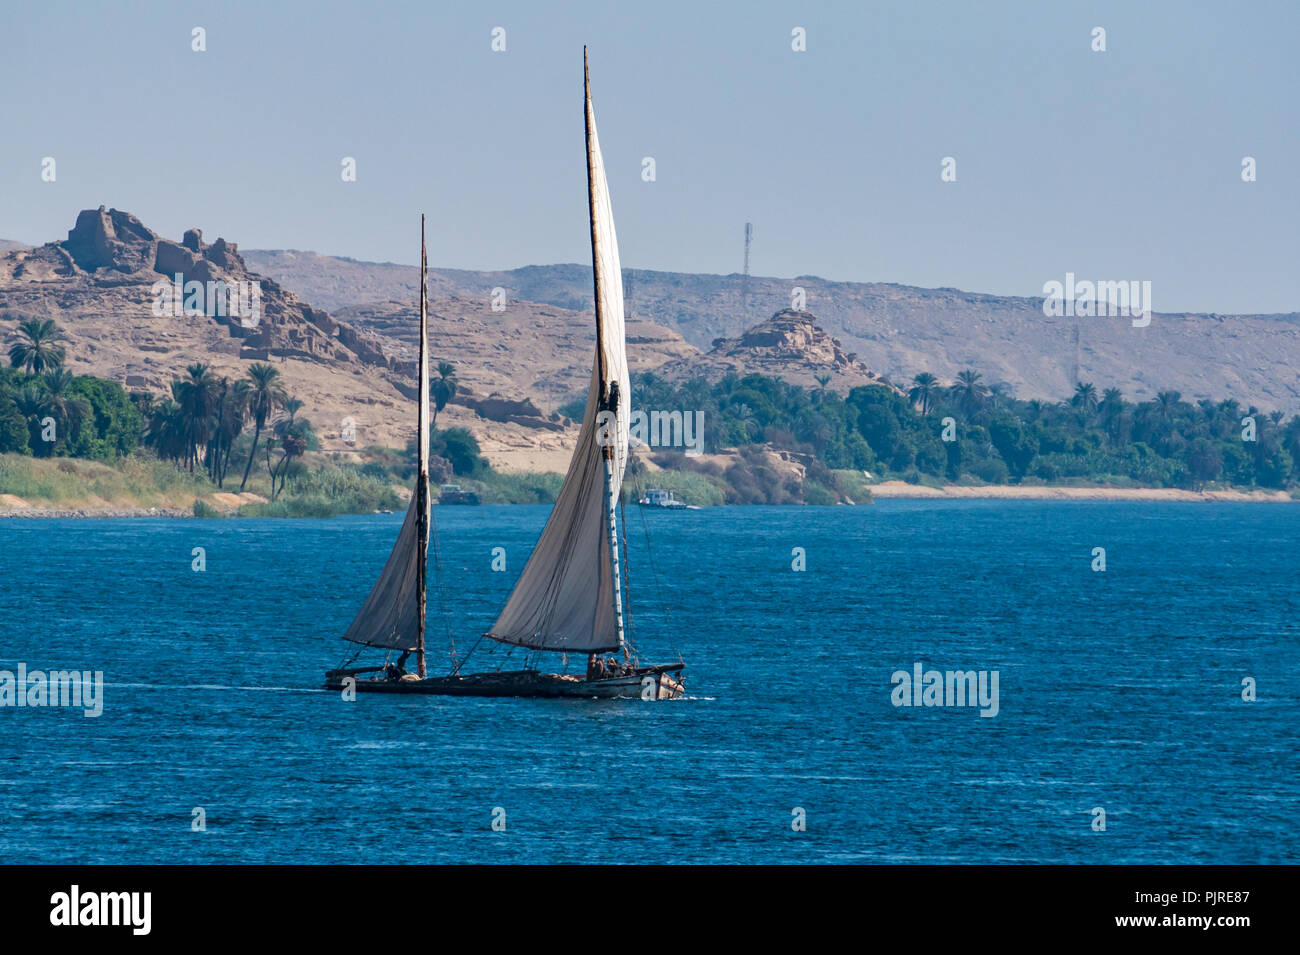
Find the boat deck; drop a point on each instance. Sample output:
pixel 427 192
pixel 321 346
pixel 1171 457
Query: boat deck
pixel 648 683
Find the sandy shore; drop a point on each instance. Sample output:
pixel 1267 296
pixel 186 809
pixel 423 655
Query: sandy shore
pixel 11 505
pixel 30 512
pixel 1013 492
pixel 886 489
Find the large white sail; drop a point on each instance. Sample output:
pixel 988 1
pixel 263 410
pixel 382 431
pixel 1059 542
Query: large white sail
pixel 567 596
pixel 393 614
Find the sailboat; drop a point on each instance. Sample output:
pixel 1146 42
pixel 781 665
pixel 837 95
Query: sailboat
pixel 569 597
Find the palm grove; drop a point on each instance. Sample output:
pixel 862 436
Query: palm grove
pixel 973 433
pixel 46 411
pixel 229 430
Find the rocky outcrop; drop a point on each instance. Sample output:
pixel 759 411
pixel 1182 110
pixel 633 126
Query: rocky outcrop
pixel 110 239
pixel 791 336
pixel 110 286
pixel 497 407
pixel 112 248
pixel 788 345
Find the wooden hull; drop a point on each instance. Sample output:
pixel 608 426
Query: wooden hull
pixel 644 683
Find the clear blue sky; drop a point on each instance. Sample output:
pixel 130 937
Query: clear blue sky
pixel 1117 165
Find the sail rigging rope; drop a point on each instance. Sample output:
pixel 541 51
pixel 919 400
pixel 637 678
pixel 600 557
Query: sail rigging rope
pixel 654 570
pixel 626 583
pixel 440 580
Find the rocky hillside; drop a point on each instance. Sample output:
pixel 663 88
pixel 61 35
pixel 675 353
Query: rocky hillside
pixel 513 367
pixel 897 330
pixel 99 284
pixel 526 349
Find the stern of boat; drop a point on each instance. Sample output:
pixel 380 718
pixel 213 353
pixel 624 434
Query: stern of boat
pixel 649 683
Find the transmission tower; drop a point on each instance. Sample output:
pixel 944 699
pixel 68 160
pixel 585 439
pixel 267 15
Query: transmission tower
pixel 744 284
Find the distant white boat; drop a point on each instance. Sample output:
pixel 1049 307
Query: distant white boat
pixel 660 497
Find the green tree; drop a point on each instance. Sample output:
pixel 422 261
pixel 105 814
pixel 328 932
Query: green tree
pixel 458 446
pixel 925 389
pixel 231 414
pixel 33 404
pixel 114 426
pixel 1111 410
pixel 38 348
pixel 197 396
pixel 443 388
pixel 166 432
pixel 1204 461
pixel 292 444
pixel 13 426
pixel 970 393
pixel 68 408
pixel 1013 443
pixel 1085 400
pixel 266 393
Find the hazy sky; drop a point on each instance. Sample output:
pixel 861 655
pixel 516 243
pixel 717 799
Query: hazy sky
pixel 1117 165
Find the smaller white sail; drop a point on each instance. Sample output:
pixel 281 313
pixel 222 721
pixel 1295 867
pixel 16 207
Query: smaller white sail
pixel 393 614
pixel 390 616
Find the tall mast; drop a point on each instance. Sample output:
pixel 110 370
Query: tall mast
pixel 609 392
pixel 422 461
pixel 591 215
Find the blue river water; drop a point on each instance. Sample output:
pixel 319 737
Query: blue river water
pixel 1118 690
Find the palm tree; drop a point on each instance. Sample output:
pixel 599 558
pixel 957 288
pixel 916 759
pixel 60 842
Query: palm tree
pixel 822 382
pixel 33 404
pixel 68 409
pixel 264 395
pixel 1164 437
pixel 1167 403
pixel 925 389
pixel 292 437
pixel 1112 410
pixel 37 349
pixel 971 394
pixel 197 396
pixel 166 432
pixel 1085 399
pixel 293 406
pixel 291 433
pixel 1000 394
pixel 1230 408
pixel 444 389
pixel 232 412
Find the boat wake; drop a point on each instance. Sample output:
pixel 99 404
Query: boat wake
pixel 216 686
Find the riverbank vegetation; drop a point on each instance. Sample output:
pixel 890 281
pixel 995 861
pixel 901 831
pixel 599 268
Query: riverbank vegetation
pixel 970 433
pixel 248 444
